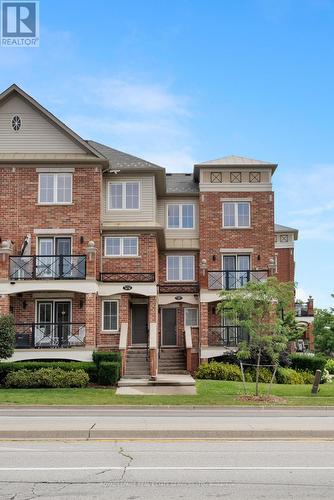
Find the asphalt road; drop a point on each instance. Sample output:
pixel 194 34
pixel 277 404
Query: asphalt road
pixel 100 422
pixel 178 469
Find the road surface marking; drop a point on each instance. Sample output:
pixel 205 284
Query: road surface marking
pixel 166 468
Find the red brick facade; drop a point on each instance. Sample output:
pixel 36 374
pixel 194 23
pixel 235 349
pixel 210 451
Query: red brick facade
pixel 285 264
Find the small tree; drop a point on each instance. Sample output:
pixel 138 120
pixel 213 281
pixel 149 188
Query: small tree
pixel 259 308
pixel 324 331
pixel 7 336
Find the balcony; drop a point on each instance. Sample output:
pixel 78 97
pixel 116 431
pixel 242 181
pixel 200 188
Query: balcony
pixel 128 277
pixel 179 288
pixel 47 267
pixel 230 280
pixel 227 336
pixel 50 335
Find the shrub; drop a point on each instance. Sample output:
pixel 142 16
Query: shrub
pixel 109 372
pixel 219 371
pixel 329 366
pixel 7 336
pixel 288 376
pixel 265 375
pixel 47 377
pixel 99 356
pixel 89 367
pixel 308 377
pixel 326 377
pixel 307 362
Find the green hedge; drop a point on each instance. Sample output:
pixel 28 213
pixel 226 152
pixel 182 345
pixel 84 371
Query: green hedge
pixel 109 372
pixel 47 378
pixel 289 376
pixel 89 367
pixel 307 362
pixel 99 356
pixel 219 371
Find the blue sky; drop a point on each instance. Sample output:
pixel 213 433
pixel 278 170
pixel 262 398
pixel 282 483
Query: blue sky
pixel 183 81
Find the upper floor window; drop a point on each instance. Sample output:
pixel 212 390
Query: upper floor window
pixel 254 177
pixel 123 196
pixel 216 177
pixel 180 268
pixel 55 188
pixel 236 214
pixel 121 246
pixel 180 216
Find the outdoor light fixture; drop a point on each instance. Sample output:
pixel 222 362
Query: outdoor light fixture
pixel 81 303
pixel 127 287
pixel 82 239
pixel 178 297
pixel 24 304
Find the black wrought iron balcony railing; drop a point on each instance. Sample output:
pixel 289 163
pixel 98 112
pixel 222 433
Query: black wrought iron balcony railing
pixel 179 288
pixel 50 335
pixel 128 277
pixel 47 267
pixel 230 280
pixel 227 336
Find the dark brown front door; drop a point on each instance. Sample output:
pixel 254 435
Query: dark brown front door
pixel 139 324
pixel 168 326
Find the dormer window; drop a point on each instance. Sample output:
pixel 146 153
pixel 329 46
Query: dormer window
pixel 16 123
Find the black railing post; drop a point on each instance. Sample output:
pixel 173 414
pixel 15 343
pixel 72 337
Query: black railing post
pixel 34 267
pixel 61 266
pixel 227 279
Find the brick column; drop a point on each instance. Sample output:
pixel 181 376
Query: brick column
pixel 91 260
pixel 4 304
pixel 203 325
pixel 153 318
pixel 124 317
pixel 90 314
pixel 4 265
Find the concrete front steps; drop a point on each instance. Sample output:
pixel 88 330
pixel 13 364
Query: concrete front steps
pixel 137 365
pixel 172 360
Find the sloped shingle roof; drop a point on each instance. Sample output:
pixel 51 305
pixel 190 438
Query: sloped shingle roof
pixel 286 229
pixel 123 161
pixel 235 160
pixel 181 184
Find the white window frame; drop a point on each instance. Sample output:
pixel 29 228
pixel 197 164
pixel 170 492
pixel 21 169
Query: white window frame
pixel 123 184
pixel 121 254
pixel 55 188
pixel 180 268
pixel 117 315
pixel 185 316
pixel 180 205
pixel 236 221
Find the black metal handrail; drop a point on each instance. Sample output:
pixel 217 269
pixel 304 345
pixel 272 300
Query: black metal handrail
pixel 50 335
pixel 39 267
pixel 128 277
pixel 179 288
pixel 229 336
pixel 230 280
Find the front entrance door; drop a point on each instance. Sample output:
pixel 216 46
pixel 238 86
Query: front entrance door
pixel 169 326
pixel 62 320
pixel 139 324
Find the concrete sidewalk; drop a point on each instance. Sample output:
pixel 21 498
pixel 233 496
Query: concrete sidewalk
pixel 159 423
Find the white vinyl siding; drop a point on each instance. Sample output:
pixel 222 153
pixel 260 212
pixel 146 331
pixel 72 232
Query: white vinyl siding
pixel 117 246
pixel 236 214
pixel 110 315
pixel 180 216
pixel 123 196
pixel 180 267
pixel 191 316
pixel 55 188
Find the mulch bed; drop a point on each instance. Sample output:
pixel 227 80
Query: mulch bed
pixel 262 399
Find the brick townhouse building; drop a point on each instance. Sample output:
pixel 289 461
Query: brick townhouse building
pixel 103 250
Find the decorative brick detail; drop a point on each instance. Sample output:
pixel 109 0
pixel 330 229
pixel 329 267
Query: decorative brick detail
pixel 204 322
pixel 90 319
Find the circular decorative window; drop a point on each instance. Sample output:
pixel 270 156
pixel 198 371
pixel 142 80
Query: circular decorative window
pixel 16 123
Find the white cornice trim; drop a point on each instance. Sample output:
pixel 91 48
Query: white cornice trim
pixel 236 188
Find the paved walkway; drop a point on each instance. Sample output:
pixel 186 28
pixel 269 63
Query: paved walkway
pixel 154 422
pixel 164 385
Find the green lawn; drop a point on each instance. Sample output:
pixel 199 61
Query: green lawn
pixel 209 392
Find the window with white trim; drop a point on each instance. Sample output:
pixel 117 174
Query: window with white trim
pixel 110 315
pixel 236 214
pixel 55 188
pixel 180 267
pixel 123 195
pixel 117 246
pixel 180 216
pixel 191 316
